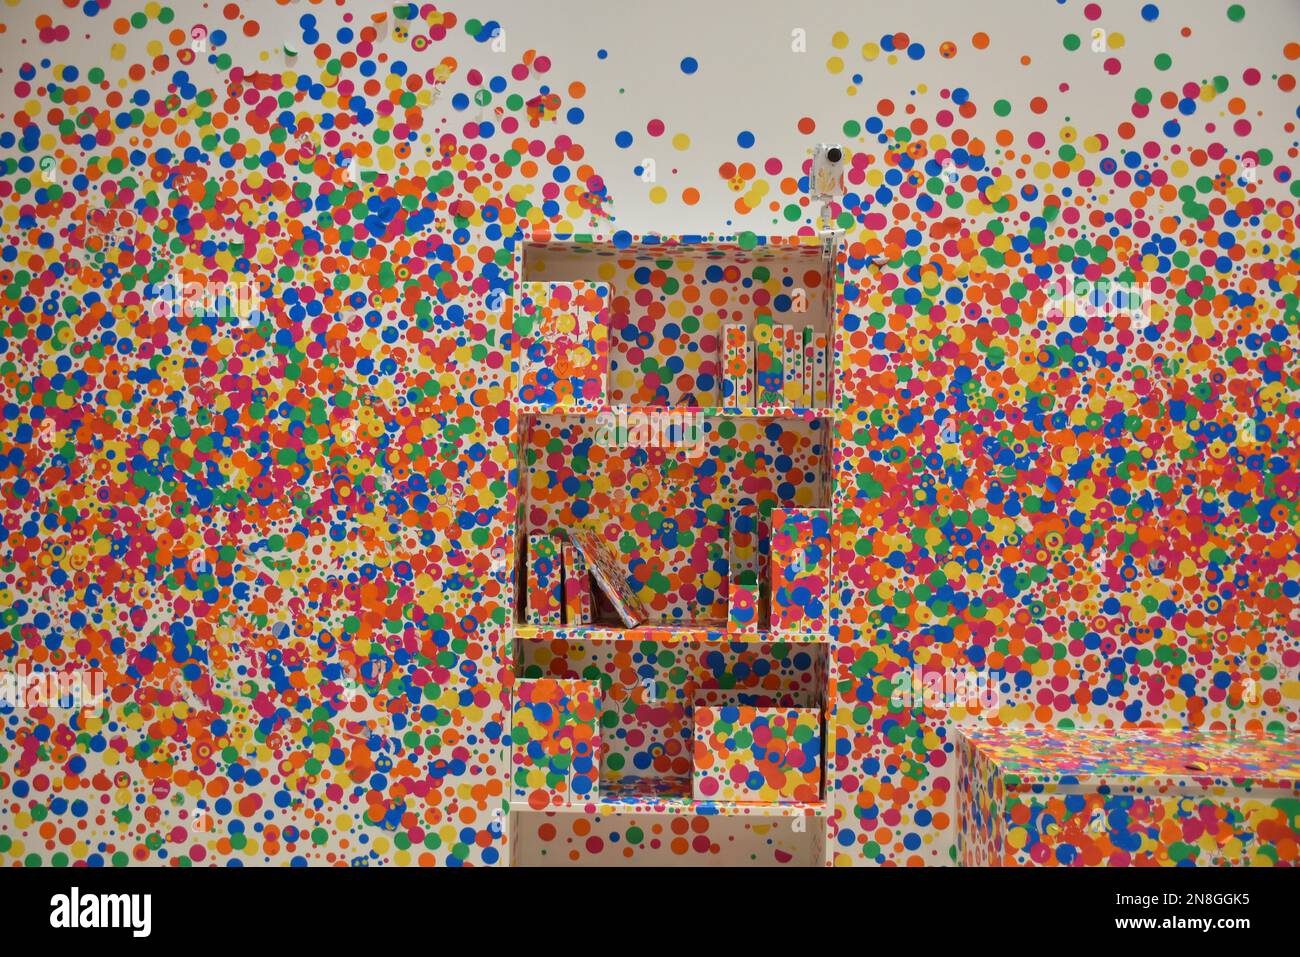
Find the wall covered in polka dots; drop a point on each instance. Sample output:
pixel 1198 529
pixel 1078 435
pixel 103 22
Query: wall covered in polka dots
pixel 258 434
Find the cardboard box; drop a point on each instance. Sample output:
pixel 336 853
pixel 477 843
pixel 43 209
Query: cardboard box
pixel 806 351
pixel 539 757
pixel 543 604
pixel 800 561
pixel 736 362
pixel 793 358
pixel 769 374
pixel 820 375
pixel 748 753
pixel 577 586
pixel 743 604
pixel 555 742
pixel 582 733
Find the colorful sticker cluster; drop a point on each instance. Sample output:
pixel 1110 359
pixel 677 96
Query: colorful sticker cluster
pixel 562 330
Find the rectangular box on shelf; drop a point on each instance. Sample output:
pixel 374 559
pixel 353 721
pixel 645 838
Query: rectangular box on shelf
pixel 736 360
pixel 749 753
pixel 792 356
pixel 743 604
pixel 769 347
pixel 543 597
pixel 577 586
pixel 555 742
pixel 582 736
pixel 800 563
pixel 817 361
pixel 805 352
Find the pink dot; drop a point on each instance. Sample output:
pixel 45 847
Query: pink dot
pixel 1092 11
pixel 655 127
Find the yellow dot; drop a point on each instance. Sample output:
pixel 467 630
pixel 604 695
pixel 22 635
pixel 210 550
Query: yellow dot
pixel 658 194
pixel 870 51
pixel 1116 40
pixel 834 64
pixel 840 40
pixel 681 141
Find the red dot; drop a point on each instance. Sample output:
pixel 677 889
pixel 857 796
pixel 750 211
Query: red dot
pixel 807 125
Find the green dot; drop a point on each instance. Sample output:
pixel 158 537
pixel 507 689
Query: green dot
pixel 1164 61
pixel 1071 41
pixel 1002 107
pixel 1236 13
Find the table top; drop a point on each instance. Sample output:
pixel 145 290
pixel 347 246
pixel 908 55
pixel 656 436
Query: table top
pixel 1136 755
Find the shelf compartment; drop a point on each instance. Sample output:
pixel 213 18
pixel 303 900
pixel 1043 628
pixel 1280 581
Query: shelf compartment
pixel 669 301
pixel 644 794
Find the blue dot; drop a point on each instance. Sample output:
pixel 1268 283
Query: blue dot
pixel 602 54
pixel 623 139
pixel 1150 12
pixel 915 51
pixel 745 139
pixel 689 65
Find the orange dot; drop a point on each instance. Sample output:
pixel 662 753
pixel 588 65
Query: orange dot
pixel 980 40
pixel 807 125
pixel 690 196
pixel 1291 51
pixel 577 90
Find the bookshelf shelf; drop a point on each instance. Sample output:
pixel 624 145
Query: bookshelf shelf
pixel 671 796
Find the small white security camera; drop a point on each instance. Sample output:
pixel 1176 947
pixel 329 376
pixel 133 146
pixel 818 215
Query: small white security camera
pixel 826 180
